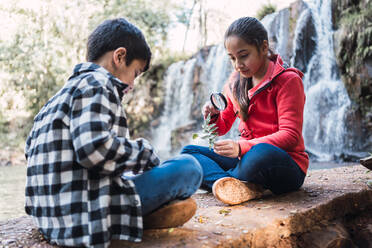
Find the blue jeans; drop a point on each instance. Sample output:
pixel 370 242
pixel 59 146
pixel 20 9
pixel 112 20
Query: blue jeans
pixel 176 178
pixel 264 164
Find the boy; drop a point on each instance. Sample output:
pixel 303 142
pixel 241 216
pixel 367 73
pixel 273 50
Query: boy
pixel 77 152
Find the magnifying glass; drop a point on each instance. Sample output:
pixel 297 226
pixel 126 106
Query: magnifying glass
pixel 218 101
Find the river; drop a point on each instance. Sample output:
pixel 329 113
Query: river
pixel 12 191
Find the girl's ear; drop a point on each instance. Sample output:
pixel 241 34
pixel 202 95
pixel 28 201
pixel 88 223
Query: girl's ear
pixel 265 47
pixel 119 56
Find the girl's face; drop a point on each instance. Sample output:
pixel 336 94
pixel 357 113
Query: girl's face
pixel 245 58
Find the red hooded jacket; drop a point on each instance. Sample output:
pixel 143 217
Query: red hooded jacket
pixel 275 112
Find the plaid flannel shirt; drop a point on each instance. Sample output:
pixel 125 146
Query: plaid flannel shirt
pixel 76 152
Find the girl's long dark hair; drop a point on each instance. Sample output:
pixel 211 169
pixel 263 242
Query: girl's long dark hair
pixel 254 33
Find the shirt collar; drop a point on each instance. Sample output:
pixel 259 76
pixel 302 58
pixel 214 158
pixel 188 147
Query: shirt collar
pixel 92 67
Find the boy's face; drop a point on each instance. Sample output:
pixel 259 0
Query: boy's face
pixel 126 73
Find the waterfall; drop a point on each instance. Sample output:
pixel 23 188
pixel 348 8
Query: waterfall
pixel 277 26
pixel 177 105
pixel 327 101
pixel 216 69
pixel 311 50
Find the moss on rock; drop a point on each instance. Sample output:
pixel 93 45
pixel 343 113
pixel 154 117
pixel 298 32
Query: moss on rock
pixel 353 47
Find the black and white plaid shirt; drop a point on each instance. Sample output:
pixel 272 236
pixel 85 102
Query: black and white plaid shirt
pixel 76 152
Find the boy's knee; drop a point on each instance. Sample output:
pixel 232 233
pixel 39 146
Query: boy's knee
pixel 190 167
pixel 191 164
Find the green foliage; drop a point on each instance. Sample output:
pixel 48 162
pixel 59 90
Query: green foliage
pixel 265 10
pixel 208 132
pixel 150 16
pixel 41 56
pixel 50 38
pixel 357 21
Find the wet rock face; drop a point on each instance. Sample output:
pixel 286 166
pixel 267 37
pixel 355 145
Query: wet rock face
pixel 306 37
pixel 181 135
pixel 353 48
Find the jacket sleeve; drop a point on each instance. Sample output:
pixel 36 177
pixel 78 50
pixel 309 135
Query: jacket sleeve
pixel 97 146
pixel 226 118
pixel 290 102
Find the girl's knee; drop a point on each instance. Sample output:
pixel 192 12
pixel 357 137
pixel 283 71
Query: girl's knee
pixel 191 149
pixel 264 147
pixel 265 154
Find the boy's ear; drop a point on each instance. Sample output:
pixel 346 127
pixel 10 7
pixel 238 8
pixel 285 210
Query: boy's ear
pixel 119 55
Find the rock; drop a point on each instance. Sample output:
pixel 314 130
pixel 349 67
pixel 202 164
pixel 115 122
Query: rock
pixel 331 236
pixel 353 49
pixel 340 216
pixel 307 39
pixel 366 162
pixel 182 135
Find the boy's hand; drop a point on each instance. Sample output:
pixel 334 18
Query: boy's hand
pixel 209 109
pixel 227 148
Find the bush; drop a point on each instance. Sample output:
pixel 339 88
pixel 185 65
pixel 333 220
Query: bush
pixel 40 58
pixel 265 10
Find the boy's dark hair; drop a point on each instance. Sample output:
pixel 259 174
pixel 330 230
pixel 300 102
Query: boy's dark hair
pixel 112 34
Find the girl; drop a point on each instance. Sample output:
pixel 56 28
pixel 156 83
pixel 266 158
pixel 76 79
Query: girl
pixel 269 100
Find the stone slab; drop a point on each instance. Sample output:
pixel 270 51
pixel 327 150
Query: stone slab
pixel 290 220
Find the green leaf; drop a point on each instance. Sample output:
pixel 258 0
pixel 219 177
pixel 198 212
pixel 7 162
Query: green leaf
pixel 213 129
pixel 208 118
pixel 195 136
pixel 212 125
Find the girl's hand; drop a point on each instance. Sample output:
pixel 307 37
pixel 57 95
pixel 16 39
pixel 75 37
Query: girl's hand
pixel 227 148
pixel 209 109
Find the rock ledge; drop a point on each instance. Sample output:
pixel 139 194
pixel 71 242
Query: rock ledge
pixel 332 209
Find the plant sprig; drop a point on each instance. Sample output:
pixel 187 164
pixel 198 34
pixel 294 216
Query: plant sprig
pixel 208 132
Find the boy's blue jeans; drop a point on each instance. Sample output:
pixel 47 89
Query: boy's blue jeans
pixel 176 178
pixel 264 164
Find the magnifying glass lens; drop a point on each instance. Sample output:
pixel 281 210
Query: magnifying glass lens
pixel 218 101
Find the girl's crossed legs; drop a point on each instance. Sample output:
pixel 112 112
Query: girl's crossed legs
pixel 264 164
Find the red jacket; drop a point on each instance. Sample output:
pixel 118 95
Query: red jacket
pixel 275 112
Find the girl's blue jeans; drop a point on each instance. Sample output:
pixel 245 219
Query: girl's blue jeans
pixel 176 178
pixel 264 164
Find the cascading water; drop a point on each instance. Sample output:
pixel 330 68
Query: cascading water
pixel 326 98
pixel 311 51
pixel 216 69
pixel 277 25
pixel 177 105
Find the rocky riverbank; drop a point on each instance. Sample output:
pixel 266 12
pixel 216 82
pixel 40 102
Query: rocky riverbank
pixel 332 209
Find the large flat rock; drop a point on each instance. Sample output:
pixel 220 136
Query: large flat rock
pixel 334 207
